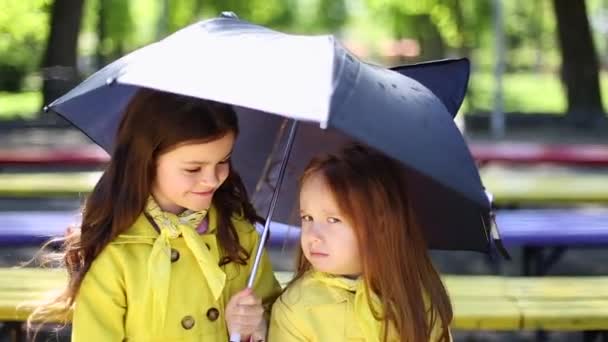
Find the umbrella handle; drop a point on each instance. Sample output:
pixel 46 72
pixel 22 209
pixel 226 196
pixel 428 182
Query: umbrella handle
pixel 273 202
pixel 236 337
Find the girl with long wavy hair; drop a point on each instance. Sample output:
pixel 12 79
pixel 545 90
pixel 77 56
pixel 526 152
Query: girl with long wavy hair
pixel 364 273
pixel 167 235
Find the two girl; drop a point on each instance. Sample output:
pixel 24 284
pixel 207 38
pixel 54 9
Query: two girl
pixel 166 241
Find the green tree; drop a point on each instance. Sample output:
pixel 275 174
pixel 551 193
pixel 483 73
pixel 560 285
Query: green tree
pixel 114 30
pixel 23 28
pixel 580 70
pixel 59 61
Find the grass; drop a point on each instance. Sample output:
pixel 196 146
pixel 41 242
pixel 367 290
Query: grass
pixel 523 92
pixel 24 105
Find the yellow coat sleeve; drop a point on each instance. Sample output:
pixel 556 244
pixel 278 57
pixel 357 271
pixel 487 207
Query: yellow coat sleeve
pixel 284 324
pixel 100 305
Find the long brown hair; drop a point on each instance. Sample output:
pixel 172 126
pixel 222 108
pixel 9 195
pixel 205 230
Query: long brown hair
pixel 153 123
pixel 371 190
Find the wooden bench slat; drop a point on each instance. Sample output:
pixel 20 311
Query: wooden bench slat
pixel 480 302
pixel 534 153
pixel 558 288
pixel 47 184
pixel 85 155
pixel 508 185
pixel 485 286
pixel 543 185
pixel 485 314
pixel 565 315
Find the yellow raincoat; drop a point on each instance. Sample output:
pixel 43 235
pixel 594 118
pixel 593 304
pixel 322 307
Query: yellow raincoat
pixel 111 305
pixel 321 308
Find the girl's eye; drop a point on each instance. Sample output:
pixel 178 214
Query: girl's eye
pixel 192 170
pixel 333 220
pixel 225 161
pixel 306 218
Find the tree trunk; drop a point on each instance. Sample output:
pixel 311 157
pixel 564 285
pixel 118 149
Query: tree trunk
pixel 101 53
pixel 432 45
pixel 59 63
pixel 579 71
pixel 466 47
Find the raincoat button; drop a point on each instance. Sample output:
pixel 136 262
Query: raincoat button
pixel 174 255
pixel 213 314
pixel 188 322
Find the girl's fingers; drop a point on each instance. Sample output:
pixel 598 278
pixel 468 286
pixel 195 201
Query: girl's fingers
pixel 249 311
pixel 244 313
pixel 241 294
pixel 249 300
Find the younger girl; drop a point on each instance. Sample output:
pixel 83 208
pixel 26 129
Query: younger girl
pixel 166 241
pixel 364 273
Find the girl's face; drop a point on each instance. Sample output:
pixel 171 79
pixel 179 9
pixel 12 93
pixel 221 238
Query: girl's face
pixel 188 176
pixel 328 240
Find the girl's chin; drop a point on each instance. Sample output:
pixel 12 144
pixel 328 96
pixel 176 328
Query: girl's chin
pixel 198 205
pixel 334 271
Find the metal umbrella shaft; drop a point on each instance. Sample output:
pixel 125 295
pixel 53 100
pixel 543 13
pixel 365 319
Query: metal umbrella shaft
pixel 275 195
pixel 273 202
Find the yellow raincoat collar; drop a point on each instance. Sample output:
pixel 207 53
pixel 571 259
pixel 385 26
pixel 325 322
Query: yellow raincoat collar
pixel 368 324
pixel 159 261
pixel 142 230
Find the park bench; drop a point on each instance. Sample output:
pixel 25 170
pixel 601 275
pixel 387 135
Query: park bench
pixel 543 234
pixel 508 185
pixel 492 303
pixel 81 156
pixel 537 153
pixel 483 152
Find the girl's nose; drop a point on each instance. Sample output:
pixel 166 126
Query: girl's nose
pixel 210 179
pixel 316 232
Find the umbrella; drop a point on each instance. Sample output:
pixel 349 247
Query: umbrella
pixel 328 97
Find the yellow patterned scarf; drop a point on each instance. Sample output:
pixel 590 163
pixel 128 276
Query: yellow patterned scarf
pixel 369 325
pixel 159 263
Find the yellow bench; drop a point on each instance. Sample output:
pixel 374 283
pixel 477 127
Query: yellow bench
pixel 480 302
pixel 508 185
pixel 56 184
pixel 527 185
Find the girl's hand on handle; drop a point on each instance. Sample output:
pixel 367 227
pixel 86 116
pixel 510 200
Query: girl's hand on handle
pixel 244 314
pixel 259 335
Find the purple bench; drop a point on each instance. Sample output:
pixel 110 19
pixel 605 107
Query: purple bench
pixel 546 234
pixel 32 228
pixel 535 230
pixel 553 227
pixel 521 227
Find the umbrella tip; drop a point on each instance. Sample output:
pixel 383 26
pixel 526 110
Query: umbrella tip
pixel 229 14
pixel 46 109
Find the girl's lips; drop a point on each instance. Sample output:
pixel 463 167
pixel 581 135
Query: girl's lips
pixel 318 254
pixel 204 193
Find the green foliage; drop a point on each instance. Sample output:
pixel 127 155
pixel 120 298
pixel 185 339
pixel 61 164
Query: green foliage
pixel 23 29
pixel 24 105
pixel 403 17
pixel 278 14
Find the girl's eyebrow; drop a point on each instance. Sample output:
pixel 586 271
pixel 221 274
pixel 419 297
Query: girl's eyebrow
pixel 206 162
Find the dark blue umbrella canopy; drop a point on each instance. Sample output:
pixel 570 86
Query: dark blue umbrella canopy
pixel 270 77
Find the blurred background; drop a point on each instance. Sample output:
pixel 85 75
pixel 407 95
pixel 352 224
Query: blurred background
pixel 522 49
pixel 533 116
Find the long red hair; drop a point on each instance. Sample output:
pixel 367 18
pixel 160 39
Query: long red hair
pixel 371 191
